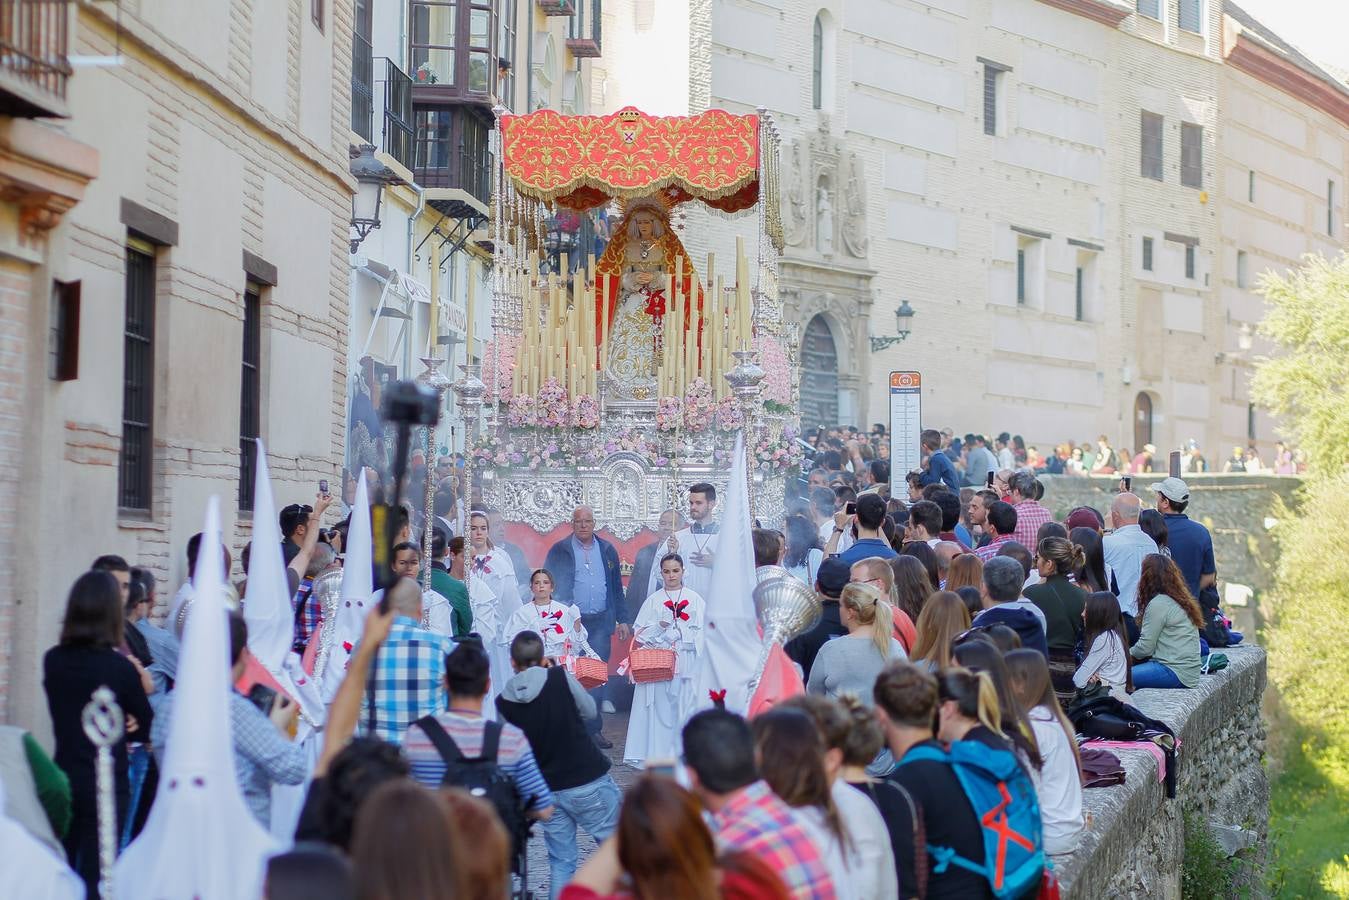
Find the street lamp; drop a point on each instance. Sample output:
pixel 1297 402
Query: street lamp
pixel 372 177
pixel 903 325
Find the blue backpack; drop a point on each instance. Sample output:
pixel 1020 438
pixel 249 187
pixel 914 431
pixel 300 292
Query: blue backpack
pixel 1004 802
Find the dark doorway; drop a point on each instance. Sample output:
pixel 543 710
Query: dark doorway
pixel 1142 421
pixel 819 375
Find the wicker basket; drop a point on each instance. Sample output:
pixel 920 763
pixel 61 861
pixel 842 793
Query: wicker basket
pixel 649 664
pixel 590 671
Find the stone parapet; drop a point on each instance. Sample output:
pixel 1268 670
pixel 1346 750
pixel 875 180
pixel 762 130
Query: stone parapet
pixel 1135 841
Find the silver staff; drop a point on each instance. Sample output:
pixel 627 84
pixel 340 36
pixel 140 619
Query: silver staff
pixel 104 725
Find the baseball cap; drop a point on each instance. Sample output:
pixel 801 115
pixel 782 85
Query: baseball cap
pixel 833 575
pixel 1173 489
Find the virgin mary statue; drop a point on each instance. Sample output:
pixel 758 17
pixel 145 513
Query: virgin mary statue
pixel 635 272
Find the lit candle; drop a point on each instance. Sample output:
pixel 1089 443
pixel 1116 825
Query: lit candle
pixel 469 304
pixel 716 330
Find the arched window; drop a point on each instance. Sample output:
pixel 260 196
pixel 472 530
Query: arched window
pixel 1142 421
pixel 819 375
pixel 817 65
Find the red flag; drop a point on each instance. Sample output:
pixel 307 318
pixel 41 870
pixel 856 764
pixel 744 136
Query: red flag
pixel 780 680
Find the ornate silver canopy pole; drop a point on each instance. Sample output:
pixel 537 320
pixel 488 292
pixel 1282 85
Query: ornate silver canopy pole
pixel 436 381
pixel 104 725
pixel 746 381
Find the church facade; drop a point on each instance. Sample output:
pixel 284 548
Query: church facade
pixel 1050 185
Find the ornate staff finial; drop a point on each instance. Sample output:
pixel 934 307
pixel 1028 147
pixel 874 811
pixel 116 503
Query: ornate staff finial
pixel 104 724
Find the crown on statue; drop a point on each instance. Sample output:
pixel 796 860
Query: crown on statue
pixel 655 204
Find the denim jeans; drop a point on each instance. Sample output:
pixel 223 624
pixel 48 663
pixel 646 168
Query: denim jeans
pixel 600 628
pixel 138 765
pixel 592 806
pixel 1152 674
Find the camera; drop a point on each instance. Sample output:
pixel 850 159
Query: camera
pixel 409 403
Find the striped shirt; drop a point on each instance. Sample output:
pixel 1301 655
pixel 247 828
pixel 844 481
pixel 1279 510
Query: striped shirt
pixel 990 550
pixel 760 823
pixel 1029 517
pixel 514 756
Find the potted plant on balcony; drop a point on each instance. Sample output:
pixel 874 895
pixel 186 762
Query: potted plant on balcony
pixel 426 74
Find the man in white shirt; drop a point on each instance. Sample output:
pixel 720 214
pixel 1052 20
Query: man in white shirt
pixel 697 543
pixel 1124 550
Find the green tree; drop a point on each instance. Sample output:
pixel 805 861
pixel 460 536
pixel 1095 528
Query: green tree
pixel 1308 383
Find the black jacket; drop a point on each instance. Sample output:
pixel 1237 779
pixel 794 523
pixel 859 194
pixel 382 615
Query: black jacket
pixel 803 648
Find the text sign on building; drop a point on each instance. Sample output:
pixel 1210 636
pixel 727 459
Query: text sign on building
pixel 905 428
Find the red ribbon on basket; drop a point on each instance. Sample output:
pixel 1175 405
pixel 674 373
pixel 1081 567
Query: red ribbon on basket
pixel 678 609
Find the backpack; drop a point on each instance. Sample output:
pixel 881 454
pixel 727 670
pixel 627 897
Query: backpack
pixel 481 776
pixel 1005 804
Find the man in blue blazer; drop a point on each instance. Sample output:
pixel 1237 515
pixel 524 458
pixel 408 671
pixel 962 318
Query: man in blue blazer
pixel 586 574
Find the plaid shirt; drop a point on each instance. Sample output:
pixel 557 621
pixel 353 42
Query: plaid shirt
pixel 307 622
pixel 758 822
pixel 1029 517
pixel 407 680
pixel 990 550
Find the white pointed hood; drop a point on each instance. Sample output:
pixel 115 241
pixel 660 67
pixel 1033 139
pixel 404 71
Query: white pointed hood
pixel 731 630
pixel 267 607
pixel 354 603
pixel 201 840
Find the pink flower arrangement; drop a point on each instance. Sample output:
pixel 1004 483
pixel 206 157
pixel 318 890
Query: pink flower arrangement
pixel 669 413
pixel 585 412
pixel 777 383
pixel 553 408
pixel 520 411
pixel 729 415
pixel 699 407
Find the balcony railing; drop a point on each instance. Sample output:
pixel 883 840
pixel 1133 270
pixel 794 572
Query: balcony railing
pixel 362 87
pixel 398 116
pixel 33 63
pixel 583 36
pixel 558 7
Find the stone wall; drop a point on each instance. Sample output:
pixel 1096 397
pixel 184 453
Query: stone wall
pixel 1240 511
pixel 1135 836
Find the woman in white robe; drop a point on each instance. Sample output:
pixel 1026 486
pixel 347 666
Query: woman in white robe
pixel 492 568
pixel 670 619
pixel 557 623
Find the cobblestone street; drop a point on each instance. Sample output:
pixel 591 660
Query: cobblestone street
pixel 616 730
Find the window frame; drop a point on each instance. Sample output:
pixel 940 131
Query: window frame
pixel 1190 262
pixel 1154 5
pixel 1021 276
pixel 817 63
pixel 1250 185
pixel 250 392
pixel 1158 158
pixel 1192 170
pixel 1148 251
pixel 1079 293
pixel 138 363
pixel 1243 277
pixel 1197 10
pixel 316 14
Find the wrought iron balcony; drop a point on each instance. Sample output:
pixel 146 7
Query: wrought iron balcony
pixel 557 7
pixel 398 115
pixel 583 36
pixel 33 63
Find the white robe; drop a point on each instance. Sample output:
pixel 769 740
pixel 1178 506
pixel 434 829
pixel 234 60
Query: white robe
pixel 660 709
pixel 29 868
pixel 500 581
pixel 697 579
pixel 558 624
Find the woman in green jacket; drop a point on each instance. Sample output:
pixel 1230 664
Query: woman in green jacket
pixel 1167 650
pixel 1062 602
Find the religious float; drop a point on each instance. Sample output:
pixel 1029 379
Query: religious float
pixel 617 380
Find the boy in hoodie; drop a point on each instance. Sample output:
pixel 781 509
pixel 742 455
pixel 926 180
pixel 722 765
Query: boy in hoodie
pixel 549 705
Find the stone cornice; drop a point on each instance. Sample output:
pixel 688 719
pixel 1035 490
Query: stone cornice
pixel 44 173
pixel 1107 12
pixel 1258 61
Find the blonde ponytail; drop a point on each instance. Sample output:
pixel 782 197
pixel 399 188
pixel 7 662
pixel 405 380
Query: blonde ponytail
pixel 869 607
pixel 990 715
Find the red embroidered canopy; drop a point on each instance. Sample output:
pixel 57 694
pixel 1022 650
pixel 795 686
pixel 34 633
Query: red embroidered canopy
pixel 579 162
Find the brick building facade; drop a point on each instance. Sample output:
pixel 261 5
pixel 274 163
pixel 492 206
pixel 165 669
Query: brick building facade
pixel 220 209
